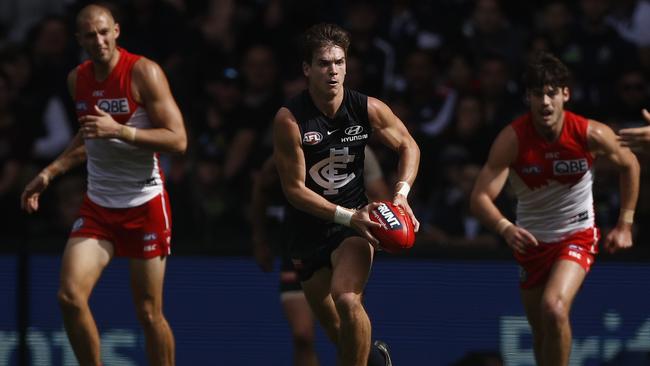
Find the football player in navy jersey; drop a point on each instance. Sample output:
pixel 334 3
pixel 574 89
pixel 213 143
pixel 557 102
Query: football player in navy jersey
pixel 319 140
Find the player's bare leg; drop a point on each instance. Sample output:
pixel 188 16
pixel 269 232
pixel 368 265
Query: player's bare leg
pixel 84 259
pixel 552 306
pixel 301 322
pixel 560 291
pixel 317 293
pixel 147 285
pixel 351 263
pixel 532 300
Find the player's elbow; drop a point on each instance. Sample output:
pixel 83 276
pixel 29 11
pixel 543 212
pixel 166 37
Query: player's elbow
pixel 475 204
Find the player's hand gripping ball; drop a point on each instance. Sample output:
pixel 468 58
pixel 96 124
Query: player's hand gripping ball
pixel 396 232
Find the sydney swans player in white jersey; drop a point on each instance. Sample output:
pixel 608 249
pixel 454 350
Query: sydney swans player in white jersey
pixel 547 154
pixel 126 113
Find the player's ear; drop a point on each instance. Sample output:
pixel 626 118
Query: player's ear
pixel 117 30
pixel 305 68
pixel 566 94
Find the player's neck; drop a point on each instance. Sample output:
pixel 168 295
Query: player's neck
pixel 103 69
pixel 550 132
pixel 328 104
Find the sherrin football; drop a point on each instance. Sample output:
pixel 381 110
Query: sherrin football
pixel 396 232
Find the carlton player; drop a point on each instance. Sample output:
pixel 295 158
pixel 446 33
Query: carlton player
pixel 126 113
pixel 548 156
pixel 319 139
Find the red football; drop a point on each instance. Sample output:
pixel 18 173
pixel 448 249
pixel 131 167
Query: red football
pixel 396 232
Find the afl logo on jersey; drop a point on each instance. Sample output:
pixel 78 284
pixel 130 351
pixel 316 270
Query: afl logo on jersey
pixel 114 106
pixel 568 167
pixel 353 130
pixel 82 106
pixel 531 169
pixel 312 138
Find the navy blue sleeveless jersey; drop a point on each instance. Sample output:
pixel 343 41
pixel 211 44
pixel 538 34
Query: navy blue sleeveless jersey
pixel 334 152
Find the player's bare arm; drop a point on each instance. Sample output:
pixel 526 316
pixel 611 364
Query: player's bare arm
pixel 392 132
pixel 637 139
pixel 603 141
pixel 151 89
pixel 73 155
pixel 489 184
pixel 290 164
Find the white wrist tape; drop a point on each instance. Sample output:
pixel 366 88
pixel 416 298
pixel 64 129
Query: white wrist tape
pixel 502 225
pixel 627 216
pixel 127 133
pixel 404 188
pixel 343 216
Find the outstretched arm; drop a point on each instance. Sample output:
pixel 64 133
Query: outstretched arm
pixel 637 139
pixel 150 88
pixel 489 184
pixel 393 133
pixel 603 141
pixel 290 163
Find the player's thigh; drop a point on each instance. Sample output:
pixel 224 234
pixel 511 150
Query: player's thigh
pixel 351 263
pixel 298 313
pixel 82 264
pixel 564 281
pixel 147 277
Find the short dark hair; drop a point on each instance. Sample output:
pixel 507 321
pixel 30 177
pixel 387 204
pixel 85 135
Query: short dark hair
pixel 546 70
pixel 322 35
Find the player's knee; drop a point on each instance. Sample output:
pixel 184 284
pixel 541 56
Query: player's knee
pixel 555 311
pixel 70 300
pixel 347 304
pixel 303 337
pixel 148 314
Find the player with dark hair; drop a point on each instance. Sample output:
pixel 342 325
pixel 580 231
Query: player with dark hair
pixel 319 139
pixel 268 204
pixel 126 113
pixel 547 155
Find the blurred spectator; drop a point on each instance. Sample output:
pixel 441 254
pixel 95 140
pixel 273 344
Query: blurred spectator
pixel 376 54
pixel 488 32
pixel 468 129
pixel 53 55
pixel 594 52
pixel 446 220
pixel 632 93
pixel 499 93
pixel 631 19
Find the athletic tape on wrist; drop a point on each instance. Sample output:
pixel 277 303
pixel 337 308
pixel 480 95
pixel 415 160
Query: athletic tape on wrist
pixel 627 216
pixel 128 133
pixel 502 225
pixel 343 216
pixel 404 188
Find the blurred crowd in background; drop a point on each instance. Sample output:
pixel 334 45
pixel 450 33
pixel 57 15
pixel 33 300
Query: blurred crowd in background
pixel 449 69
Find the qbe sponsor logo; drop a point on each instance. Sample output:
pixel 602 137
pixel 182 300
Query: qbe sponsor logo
pixel 569 167
pixel 114 106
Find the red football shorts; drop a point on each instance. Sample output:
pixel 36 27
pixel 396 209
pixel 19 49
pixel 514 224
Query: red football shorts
pixel 137 232
pixel 580 247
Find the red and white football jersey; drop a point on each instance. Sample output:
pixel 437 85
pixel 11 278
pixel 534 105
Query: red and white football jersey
pixel 553 180
pixel 120 174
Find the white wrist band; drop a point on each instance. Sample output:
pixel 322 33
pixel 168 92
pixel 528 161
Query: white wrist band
pixel 404 188
pixel 627 216
pixel 343 216
pixel 502 226
pixel 127 133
